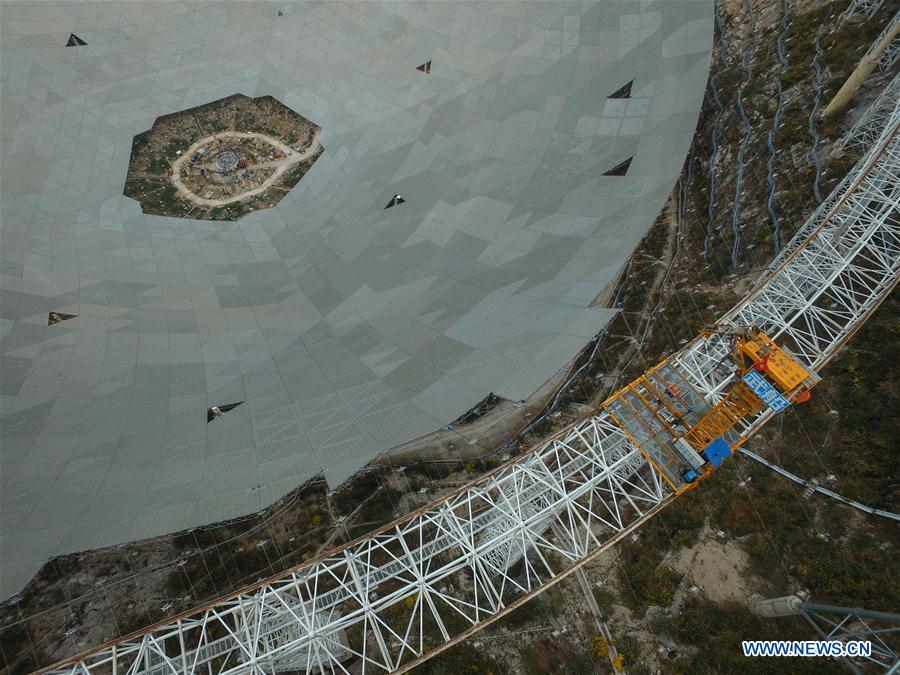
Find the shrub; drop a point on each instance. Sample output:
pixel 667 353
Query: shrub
pixel 598 646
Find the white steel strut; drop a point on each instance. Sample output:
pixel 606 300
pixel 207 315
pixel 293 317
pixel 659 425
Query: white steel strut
pixel 391 599
pixel 890 55
pixel 829 278
pixel 892 52
pixel 872 122
pixel 868 7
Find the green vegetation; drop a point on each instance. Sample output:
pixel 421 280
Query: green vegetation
pixel 293 175
pixel 139 143
pixel 863 427
pixel 159 165
pixel 545 656
pixel 717 632
pixel 154 151
pixel 643 577
pixel 535 609
pixel 460 660
pixel 605 599
pixel 176 145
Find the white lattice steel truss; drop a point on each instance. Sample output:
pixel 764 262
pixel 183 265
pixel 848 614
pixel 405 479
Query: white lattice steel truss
pixel 867 7
pixel 393 598
pixel 852 623
pixel 873 121
pixel 890 55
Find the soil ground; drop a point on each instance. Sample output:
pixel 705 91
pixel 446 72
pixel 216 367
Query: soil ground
pixel 159 174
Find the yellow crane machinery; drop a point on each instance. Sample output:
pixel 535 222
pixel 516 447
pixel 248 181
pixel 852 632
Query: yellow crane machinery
pixel 685 437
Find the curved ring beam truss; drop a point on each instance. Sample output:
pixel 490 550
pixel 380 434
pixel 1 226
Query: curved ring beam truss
pixel 426 581
pixel 890 55
pixel 872 122
pixel 868 7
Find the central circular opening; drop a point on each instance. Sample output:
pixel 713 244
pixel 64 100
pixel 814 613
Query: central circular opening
pixel 259 150
pixel 227 160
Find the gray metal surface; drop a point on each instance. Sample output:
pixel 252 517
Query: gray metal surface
pixel 432 578
pixel 346 328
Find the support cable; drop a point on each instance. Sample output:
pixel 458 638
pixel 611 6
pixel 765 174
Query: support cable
pixel 776 122
pixel 714 144
pixel 590 478
pixel 813 115
pixel 748 133
pixel 817 488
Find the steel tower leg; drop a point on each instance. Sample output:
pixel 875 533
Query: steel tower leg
pixel 843 624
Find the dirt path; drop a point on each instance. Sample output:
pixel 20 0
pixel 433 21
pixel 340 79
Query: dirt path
pixel 291 157
pixel 718 568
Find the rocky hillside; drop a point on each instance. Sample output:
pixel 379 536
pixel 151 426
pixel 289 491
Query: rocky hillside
pixel 676 594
